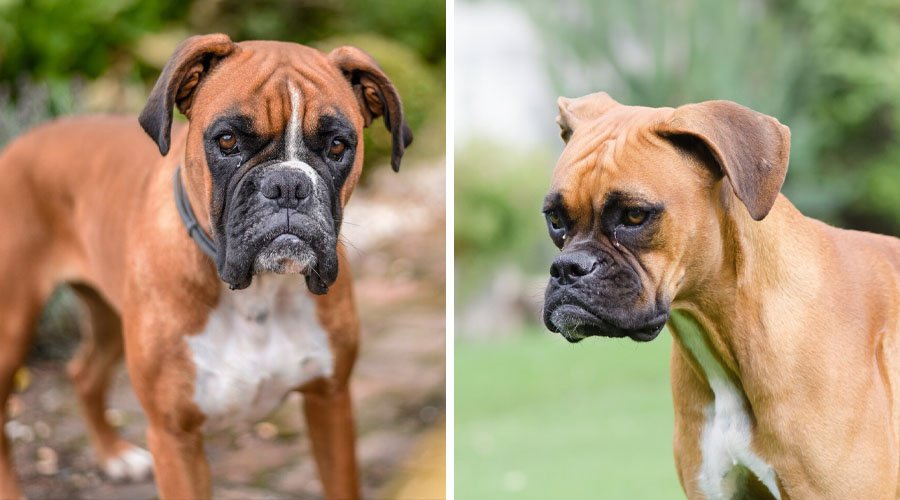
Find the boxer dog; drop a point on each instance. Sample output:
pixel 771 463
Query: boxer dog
pixel 786 360
pixel 218 327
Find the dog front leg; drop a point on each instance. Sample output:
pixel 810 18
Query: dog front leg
pixel 327 403
pixel 162 375
pixel 180 464
pixel 329 416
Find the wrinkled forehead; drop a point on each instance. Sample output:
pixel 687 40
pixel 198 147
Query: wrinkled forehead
pixel 273 83
pixel 616 150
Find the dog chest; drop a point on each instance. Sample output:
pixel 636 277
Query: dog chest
pixel 258 344
pixel 727 433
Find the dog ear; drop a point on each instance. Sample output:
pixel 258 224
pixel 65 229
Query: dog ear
pixel 751 149
pixel 191 61
pixel 573 111
pixel 375 95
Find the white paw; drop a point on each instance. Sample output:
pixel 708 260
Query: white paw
pixel 134 464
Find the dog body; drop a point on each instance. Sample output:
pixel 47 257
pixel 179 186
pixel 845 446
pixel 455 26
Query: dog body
pixel 786 360
pixel 271 154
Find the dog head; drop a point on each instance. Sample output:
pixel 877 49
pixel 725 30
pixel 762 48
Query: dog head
pixel 636 204
pixel 274 146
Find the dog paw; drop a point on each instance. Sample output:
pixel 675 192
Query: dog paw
pixel 132 464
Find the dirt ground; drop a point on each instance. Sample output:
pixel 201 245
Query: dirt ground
pixel 395 234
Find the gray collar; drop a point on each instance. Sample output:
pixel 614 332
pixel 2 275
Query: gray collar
pixel 190 220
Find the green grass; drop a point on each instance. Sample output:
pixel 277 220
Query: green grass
pixel 539 418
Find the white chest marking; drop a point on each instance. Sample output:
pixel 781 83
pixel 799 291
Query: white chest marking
pixel 726 441
pixel 257 345
pixel 292 138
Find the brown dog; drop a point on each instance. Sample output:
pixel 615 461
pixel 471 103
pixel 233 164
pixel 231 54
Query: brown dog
pixel 219 329
pixel 786 357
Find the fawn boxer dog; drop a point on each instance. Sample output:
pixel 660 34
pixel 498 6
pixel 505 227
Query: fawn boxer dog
pixel 786 360
pixel 216 327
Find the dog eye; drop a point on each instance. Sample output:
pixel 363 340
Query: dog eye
pixel 227 143
pixel 556 227
pixel 635 216
pixel 337 149
pixel 555 222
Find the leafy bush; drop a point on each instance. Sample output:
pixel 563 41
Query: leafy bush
pixel 417 24
pixel 53 40
pixel 498 220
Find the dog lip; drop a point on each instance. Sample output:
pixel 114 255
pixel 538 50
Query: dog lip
pixel 286 239
pixel 588 324
pixel 286 253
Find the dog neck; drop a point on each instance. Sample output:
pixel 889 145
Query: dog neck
pixel 185 210
pixel 731 328
pixel 740 300
pixel 727 435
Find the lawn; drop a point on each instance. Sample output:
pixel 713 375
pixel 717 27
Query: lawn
pixel 539 418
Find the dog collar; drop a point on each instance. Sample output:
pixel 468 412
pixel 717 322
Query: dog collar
pixel 190 220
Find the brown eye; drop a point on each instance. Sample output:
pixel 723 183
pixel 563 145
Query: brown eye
pixel 227 142
pixel 337 149
pixel 555 222
pixel 635 216
pixel 556 226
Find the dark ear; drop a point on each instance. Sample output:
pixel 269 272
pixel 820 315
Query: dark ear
pixel 190 62
pixel 572 111
pixel 376 96
pixel 751 149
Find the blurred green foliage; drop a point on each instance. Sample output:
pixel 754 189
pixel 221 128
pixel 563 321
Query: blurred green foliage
pixel 417 24
pixel 55 39
pixel 826 69
pixel 57 54
pixel 498 200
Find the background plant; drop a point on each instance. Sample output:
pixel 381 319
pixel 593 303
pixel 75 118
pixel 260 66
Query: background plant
pixel 60 56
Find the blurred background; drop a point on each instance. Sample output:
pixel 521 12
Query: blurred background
pixel 60 57
pixel 535 416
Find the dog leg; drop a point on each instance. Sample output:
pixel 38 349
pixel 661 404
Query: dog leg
pixel 91 370
pixel 181 468
pixel 18 317
pixel 327 403
pixel 329 416
pixel 162 375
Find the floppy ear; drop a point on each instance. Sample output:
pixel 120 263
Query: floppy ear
pixel 191 61
pixel 375 95
pixel 751 149
pixel 572 111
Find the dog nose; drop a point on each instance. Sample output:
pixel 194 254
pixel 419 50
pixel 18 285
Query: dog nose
pixel 287 187
pixel 569 267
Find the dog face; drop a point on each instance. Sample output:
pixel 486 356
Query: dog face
pixel 274 147
pixel 636 205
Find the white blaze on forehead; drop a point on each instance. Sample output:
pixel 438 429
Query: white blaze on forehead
pixel 292 138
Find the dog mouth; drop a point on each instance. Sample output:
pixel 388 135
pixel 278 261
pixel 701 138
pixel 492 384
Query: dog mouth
pixel 576 323
pixel 301 248
pixel 285 254
pixel 263 230
pixel 289 254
